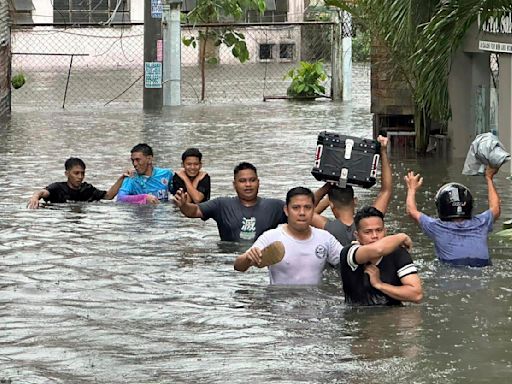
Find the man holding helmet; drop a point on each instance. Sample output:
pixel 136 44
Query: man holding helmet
pixel 459 237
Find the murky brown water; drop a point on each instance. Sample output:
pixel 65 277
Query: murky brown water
pixel 110 293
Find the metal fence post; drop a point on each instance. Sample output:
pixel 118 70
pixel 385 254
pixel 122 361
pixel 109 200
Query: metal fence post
pixel 67 80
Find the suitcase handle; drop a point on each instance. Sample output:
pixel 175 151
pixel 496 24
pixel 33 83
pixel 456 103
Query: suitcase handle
pixel 342 183
pixel 349 144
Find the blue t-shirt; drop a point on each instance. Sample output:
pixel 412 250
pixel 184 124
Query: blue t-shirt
pixel 158 184
pixel 460 242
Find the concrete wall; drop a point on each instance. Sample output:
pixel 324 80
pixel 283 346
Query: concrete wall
pixel 464 86
pixel 254 36
pixel 460 127
pixel 5 61
pixel 389 95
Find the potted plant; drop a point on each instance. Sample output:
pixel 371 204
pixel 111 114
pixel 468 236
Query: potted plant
pixel 307 80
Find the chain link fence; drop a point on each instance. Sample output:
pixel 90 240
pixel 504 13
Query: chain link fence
pixel 97 66
pixel 77 66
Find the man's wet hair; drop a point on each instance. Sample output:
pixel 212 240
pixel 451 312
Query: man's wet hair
pixel 365 213
pixel 243 166
pixel 300 191
pixel 73 162
pixel 145 149
pixel 341 197
pixel 192 152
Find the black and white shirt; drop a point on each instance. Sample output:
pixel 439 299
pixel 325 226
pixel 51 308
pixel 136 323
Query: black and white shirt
pixel 356 284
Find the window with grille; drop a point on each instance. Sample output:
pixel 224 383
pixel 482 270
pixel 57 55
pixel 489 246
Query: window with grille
pixel 266 51
pixel 286 50
pixel 91 11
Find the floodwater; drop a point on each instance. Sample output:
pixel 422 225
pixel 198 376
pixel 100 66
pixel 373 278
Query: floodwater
pixel 112 293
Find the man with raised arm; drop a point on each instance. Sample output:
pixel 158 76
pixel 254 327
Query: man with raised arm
pixel 343 203
pixel 378 269
pixel 149 184
pixel 243 217
pixel 459 237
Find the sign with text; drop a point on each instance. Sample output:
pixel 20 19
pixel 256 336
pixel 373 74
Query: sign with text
pixel 156 9
pixel 159 50
pixel 152 75
pixel 494 46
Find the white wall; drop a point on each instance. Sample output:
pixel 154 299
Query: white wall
pixel 254 36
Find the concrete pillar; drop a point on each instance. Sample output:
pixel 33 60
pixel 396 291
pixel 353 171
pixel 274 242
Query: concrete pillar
pixel 341 70
pixel 337 60
pixel 460 127
pixel 505 103
pixel 172 53
pixel 347 56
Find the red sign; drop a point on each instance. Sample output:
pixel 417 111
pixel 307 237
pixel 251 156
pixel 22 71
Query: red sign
pixel 159 50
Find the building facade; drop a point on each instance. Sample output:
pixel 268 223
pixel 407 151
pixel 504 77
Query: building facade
pixel 480 85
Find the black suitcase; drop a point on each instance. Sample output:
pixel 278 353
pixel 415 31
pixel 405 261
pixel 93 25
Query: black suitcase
pixel 346 160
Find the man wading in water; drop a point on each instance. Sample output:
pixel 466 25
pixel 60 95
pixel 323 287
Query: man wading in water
pixel 74 189
pixel 307 250
pixel 243 217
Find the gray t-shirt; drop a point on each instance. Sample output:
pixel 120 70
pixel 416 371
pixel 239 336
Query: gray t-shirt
pixel 342 232
pixel 237 222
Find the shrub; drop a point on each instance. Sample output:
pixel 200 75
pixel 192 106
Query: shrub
pixel 307 79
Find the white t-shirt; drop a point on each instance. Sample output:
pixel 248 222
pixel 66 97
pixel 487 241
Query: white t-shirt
pixel 304 260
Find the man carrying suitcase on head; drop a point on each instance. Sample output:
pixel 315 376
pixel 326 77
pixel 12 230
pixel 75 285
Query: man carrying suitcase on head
pixel 343 202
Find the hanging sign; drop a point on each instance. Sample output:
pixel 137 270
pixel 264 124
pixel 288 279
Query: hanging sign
pixel 159 50
pixel 494 46
pixel 156 9
pixel 153 75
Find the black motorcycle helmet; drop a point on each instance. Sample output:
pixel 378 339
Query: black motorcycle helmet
pixel 454 201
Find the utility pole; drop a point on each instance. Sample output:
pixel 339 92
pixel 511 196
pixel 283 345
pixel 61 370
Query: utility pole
pixel 153 55
pixel 172 52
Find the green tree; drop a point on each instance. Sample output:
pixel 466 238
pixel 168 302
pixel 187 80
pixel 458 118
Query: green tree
pixel 212 12
pixel 421 37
